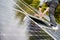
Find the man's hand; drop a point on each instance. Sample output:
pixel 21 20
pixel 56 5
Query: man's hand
pixel 40 15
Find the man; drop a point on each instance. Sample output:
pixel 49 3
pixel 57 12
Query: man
pixel 52 6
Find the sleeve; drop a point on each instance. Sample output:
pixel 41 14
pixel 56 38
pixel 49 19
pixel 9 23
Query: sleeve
pixel 41 3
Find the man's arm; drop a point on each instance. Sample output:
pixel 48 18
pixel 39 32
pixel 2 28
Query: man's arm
pixel 47 9
pixel 40 9
pixel 40 5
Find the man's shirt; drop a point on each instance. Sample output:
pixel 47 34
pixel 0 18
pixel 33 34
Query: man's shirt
pixel 44 1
